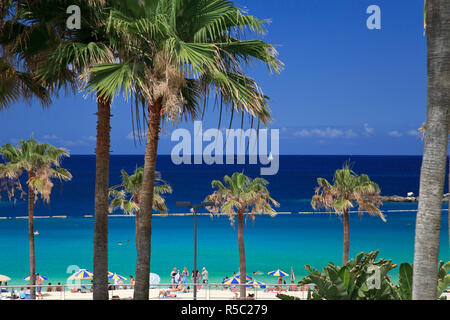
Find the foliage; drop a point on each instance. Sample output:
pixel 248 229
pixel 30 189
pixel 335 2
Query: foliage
pixel 126 194
pixel 346 189
pixel 180 52
pixel 286 297
pixel 240 193
pixel 350 282
pixel 41 163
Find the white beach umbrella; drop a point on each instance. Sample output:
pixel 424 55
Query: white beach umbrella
pixel 4 278
pixel 154 279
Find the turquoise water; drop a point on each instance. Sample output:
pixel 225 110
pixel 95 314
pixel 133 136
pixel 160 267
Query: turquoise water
pixel 283 242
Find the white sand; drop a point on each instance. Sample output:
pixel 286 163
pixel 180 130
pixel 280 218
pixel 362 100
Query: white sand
pixel 212 294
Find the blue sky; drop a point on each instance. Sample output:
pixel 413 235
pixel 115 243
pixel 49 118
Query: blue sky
pixel 345 89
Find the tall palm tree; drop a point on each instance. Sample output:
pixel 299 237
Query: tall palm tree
pixel 36 32
pixel 432 174
pixel 347 189
pixel 41 163
pixel 126 194
pixel 178 51
pixel 18 77
pixel 240 195
pixel 69 62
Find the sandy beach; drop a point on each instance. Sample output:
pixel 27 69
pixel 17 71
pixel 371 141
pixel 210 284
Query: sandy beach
pixel 204 294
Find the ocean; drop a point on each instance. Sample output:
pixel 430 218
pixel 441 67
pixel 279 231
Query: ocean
pixel 281 242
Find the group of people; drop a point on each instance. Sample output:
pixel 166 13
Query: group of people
pixel 181 278
pixel 119 284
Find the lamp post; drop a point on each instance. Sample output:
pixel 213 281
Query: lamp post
pixel 194 209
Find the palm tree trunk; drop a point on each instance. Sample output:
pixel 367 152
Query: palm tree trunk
pixel 141 289
pixel 31 241
pixel 101 200
pixel 346 246
pixel 136 217
pixel 242 263
pixel 432 175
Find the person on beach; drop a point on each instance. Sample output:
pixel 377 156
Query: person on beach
pixel 172 276
pixel 132 282
pixel 120 283
pixel 5 289
pixel 58 287
pixel 39 281
pixel 180 288
pixel 279 282
pixel 49 288
pixel 166 294
pixel 225 279
pixel 184 276
pixel 21 294
pixel 292 287
pixel 205 276
pixel 177 277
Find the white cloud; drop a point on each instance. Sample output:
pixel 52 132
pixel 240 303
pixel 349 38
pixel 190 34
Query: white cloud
pixel 326 133
pixel 302 133
pixel 414 133
pixel 395 133
pixel 368 130
pixel 51 137
pixel 136 135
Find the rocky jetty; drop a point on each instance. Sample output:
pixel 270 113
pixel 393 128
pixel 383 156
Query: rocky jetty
pixel 409 198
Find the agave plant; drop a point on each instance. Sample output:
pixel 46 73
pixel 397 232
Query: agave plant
pixel 403 290
pixel 353 280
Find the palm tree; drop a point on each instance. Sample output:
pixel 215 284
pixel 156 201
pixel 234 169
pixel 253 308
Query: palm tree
pixel 41 163
pixel 347 189
pixel 178 51
pixel 240 195
pixel 126 194
pixel 432 174
pixel 66 64
pixel 55 57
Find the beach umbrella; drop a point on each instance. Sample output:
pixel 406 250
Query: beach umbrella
pixel 154 279
pixel 4 278
pixel 278 273
pixel 115 276
pixel 257 284
pixel 247 277
pixel 40 277
pixel 81 274
pixel 232 280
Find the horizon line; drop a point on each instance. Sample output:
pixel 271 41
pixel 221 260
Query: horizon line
pixel 305 155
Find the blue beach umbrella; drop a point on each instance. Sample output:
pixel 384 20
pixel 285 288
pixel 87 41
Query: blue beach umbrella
pixel 278 273
pixel 257 284
pixel 40 277
pixel 248 278
pixel 234 280
pixel 115 276
pixel 81 274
